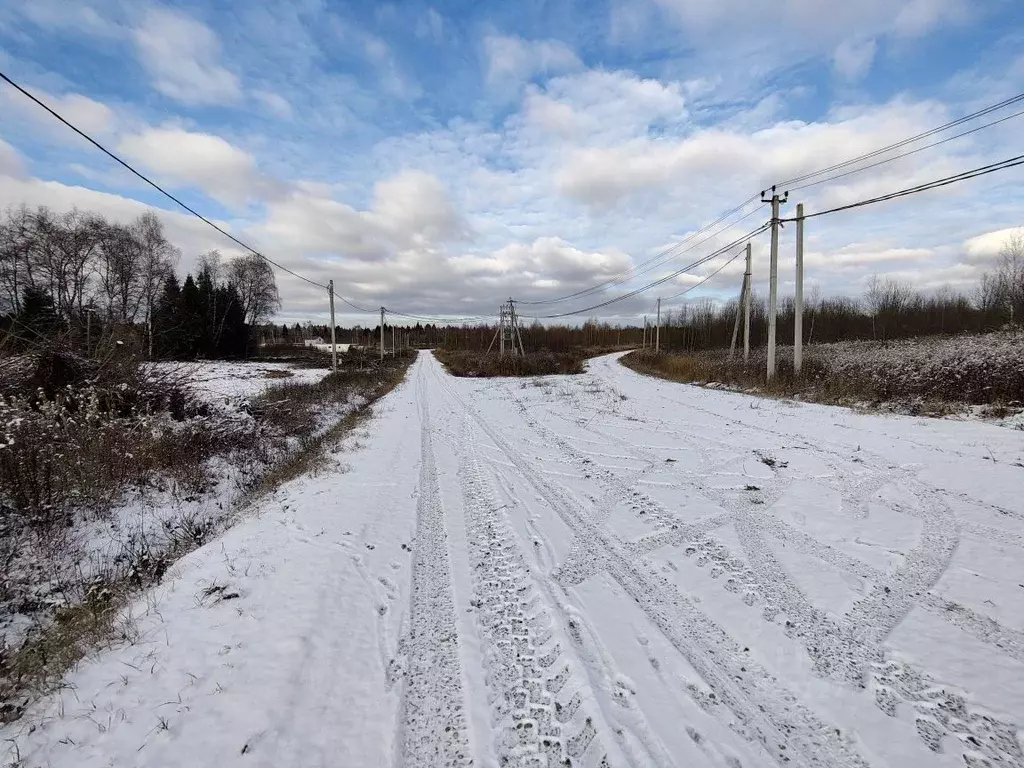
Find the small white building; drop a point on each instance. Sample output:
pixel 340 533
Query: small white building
pixel 314 342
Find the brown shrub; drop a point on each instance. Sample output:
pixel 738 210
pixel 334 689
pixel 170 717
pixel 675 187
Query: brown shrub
pixel 481 364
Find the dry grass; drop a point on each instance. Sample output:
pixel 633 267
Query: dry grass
pixel 73 460
pixel 932 376
pixel 481 364
pixel 295 408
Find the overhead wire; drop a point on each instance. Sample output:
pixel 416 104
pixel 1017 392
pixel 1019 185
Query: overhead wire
pixel 659 281
pixel 663 255
pixel 708 277
pixel 974 173
pixel 904 142
pixel 906 154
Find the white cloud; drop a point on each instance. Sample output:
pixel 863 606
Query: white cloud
pixel 853 58
pixel 202 160
pixel 11 163
pixel 89 115
pixel 275 103
pixel 513 59
pixel 717 155
pixel 431 26
pixel 986 247
pixel 182 56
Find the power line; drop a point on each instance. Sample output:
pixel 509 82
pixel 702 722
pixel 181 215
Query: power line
pixel 907 154
pixel 937 183
pixel 708 277
pixel 670 251
pixel 657 282
pixel 904 142
pixel 434 319
pixel 156 186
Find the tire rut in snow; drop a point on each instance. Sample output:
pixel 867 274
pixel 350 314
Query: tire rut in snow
pixel 538 696
pixel 848 647
pixel 433 722
pixel 765 712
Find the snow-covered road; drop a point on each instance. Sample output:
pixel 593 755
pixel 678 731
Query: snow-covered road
pixel 599 570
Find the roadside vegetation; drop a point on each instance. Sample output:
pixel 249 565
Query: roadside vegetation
pixel 112 468
pixel 931 375
pixel 483 364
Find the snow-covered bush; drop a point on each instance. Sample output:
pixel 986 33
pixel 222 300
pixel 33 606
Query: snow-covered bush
pixel 983 369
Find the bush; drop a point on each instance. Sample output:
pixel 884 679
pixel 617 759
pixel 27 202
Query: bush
pixel 985 369
pixel 465 363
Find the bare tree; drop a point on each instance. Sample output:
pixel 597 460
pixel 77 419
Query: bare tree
pixel 254 280
pixel 118 270
pixel 157 258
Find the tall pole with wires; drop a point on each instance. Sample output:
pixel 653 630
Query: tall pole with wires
pixel 657 332
pixel 798 301
pixel 334 346
pixel 382 334
pixel 773 278
pixel 746 310
pixel 739 313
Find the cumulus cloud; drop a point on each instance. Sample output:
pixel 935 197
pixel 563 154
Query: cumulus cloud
pixel 91 116
pixel 987 247
pixel 604 175
pixel 513 59
pixel 182 56
pixel 602 106
pixel 200 160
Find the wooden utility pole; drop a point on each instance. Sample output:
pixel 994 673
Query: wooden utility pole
pixel 773 278
pixel 746 309
pixel 798 318
pixel 334 345
pixel 382 334
pixel 657 332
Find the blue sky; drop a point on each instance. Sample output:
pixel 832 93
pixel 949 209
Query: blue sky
pixel 438 157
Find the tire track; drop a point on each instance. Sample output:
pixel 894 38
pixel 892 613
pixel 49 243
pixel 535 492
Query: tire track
pixel 849 647
pixel 765 712
pixel 540 701
pixel 433 725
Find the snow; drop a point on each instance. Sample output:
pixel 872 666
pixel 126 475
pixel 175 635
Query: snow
pixel 223 382
pixel 606 567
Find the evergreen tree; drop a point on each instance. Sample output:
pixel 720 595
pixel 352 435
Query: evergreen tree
pixel 167 336
pixel 209 325
pixel 192 319
pixel 38 319
pixel 234 333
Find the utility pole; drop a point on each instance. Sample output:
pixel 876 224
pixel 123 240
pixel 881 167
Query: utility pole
pixel 798 318
pixel 746 310
pixel 739 311
pixel 657 333
pixel 394 351
pixel 501 330
pixel 773 277
pixel 334 346
pixel 382 334
pixel 645 333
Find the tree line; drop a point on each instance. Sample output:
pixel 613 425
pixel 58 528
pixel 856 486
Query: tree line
pixel 79 279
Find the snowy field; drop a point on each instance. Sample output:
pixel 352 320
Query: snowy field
pixel 598 570
pixel 227 382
